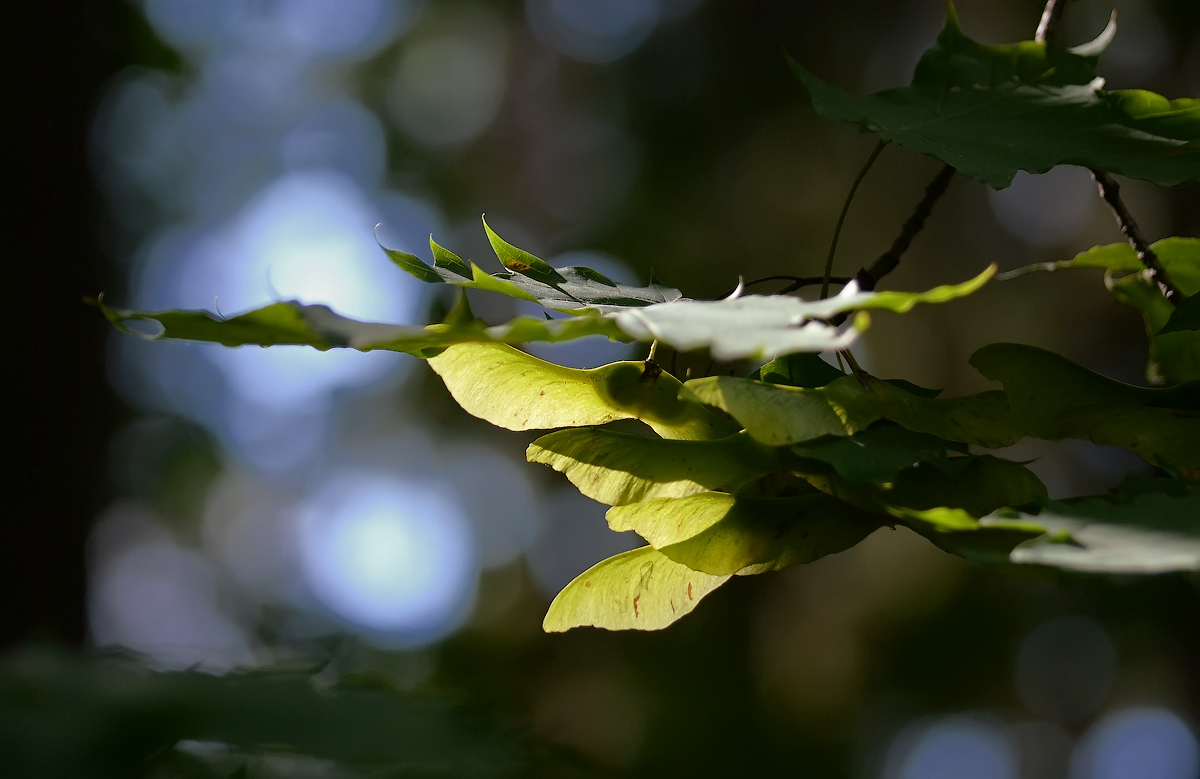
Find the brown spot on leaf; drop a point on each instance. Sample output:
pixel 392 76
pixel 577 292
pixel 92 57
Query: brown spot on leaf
pixel 690 591
pixel 635 606
pixel 517 265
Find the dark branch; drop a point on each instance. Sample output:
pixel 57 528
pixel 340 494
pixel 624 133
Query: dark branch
pixel 1110 192
pixel 1049 23
pixel 887 262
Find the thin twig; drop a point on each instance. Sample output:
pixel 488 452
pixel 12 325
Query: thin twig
pixel 887 262
pixel 1110 193
pixel 855 368
pixel 1049 22
pixel 837 230
pixel 797 283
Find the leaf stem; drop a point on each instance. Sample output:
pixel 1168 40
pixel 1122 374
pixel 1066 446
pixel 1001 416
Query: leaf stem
pixel 887 262
pixel 1110 193
pixel 837 230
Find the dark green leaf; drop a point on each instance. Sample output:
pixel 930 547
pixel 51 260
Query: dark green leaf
pixel 991 111
pixel 804 369
pixel 1186 317
pixel 1053 398
pixel 1146 526
pixel 107 717
pixel 781 416
pixel 877 454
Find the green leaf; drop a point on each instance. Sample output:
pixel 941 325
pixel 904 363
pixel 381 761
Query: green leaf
pixel 991 111
pixel 1186 317
pixel 521 261
pixel 292 323
pixel 781 416
pixel 1179 256
pixel 722 534
pixel 1147 526
pixel 517 391
pixel 109 717
pixel 770 326
pixel 618 468
pixel 804 369
pixel 1175 351
pixel 877 454
pixel 574 289
pixel 1054 398
pixel 641 589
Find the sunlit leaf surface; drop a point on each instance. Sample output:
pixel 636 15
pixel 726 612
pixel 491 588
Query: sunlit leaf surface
pixel 642 589
pixel 517 391
pixel 770 326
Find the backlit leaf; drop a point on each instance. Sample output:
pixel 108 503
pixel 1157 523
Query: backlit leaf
pixel 618 468
pixel 721 534
pixel 991 111
pixel 642 589
pixel 516 391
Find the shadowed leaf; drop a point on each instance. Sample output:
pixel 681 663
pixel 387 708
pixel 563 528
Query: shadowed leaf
pixel 1053 398
pixel 779 415
pixel 991 111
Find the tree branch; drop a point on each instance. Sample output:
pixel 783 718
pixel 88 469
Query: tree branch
pixel 1049 22
pixel 1110 193
pixel 887 262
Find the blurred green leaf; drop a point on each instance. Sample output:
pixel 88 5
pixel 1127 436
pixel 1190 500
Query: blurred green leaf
pixel 1186 317
pixel 618 468
pixel 780 416
pixel 641 589
pixel 991 111
pixel 803 369
pixel 1146 526
pixel 292 323
pixel 720 534
pixel 66 717
pixel 1052 398
pixel 517 391
pixel 770 326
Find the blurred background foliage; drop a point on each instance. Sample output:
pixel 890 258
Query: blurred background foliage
pixel 214 510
